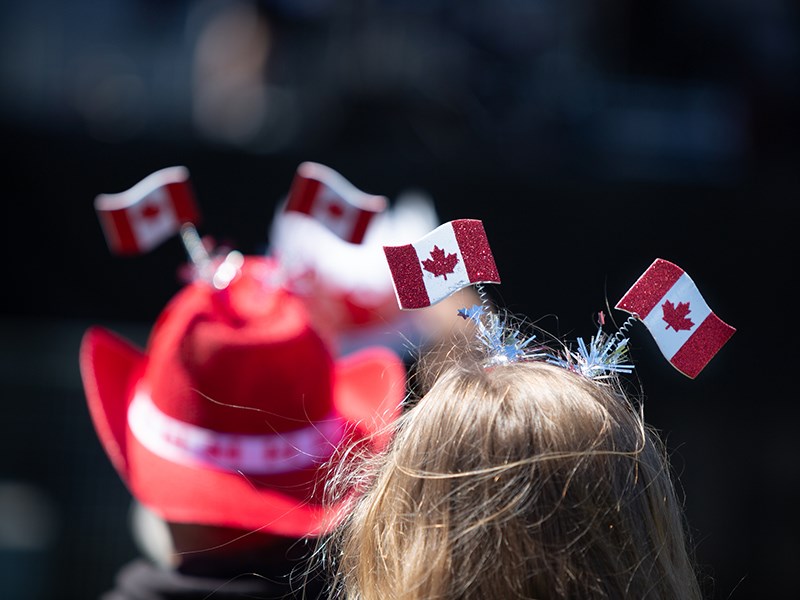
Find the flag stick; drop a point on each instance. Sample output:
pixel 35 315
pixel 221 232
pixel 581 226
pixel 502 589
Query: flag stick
pixel 197 251
pixel 485 302
pixel 621 331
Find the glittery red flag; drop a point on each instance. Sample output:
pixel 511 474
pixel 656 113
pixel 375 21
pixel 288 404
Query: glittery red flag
pixel 325 195
pixel 453 256
pixel 668 302
pixel 139 219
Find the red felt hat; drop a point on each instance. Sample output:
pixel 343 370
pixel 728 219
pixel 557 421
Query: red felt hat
pixel 231 414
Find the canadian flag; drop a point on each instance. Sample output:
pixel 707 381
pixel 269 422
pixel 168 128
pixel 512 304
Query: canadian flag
pixel 325 195
pixel 139 219
pixel 452 256
pixel 668 302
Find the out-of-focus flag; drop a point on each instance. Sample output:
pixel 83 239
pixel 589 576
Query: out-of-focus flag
pixel 668 302
pixel 139 219
pixel 452 256
pixel 325 195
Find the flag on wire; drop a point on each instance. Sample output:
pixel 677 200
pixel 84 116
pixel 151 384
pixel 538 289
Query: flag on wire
pixel 325 195
pixel 139 219
pixel 668 302
pixel 452 256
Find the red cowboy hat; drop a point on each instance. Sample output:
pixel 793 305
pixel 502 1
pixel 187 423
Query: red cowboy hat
pixel 230 415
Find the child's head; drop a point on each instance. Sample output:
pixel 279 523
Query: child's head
pixel 522 480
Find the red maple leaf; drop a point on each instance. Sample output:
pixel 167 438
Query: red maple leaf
pixel 675 316
pixel 440 263
pixel 335 210
pixel 150 210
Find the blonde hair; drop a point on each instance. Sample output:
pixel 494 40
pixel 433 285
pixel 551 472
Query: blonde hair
pixel 523 480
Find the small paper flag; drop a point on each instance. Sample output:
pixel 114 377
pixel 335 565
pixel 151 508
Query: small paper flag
pixel 326 196
pixel 668 302
pixel 452 256
pixel 139 219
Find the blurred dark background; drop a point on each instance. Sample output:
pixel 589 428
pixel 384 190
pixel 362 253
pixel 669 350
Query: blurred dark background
pixel 590 137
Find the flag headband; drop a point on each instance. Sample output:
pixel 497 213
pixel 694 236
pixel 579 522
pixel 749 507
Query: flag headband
pixel 599 359
pixel 457 254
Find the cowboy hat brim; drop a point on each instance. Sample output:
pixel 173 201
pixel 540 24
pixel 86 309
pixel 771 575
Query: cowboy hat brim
pixel 368 389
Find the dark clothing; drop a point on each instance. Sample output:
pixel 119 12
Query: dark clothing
pixel 141 580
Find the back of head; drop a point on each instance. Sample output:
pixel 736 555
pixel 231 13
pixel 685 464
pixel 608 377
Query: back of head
pixel 522 480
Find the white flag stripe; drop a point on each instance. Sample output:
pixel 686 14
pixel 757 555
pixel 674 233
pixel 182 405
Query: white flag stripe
pixel 443 238
pixel 670 341
pixel 343 223
pixel 151 230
